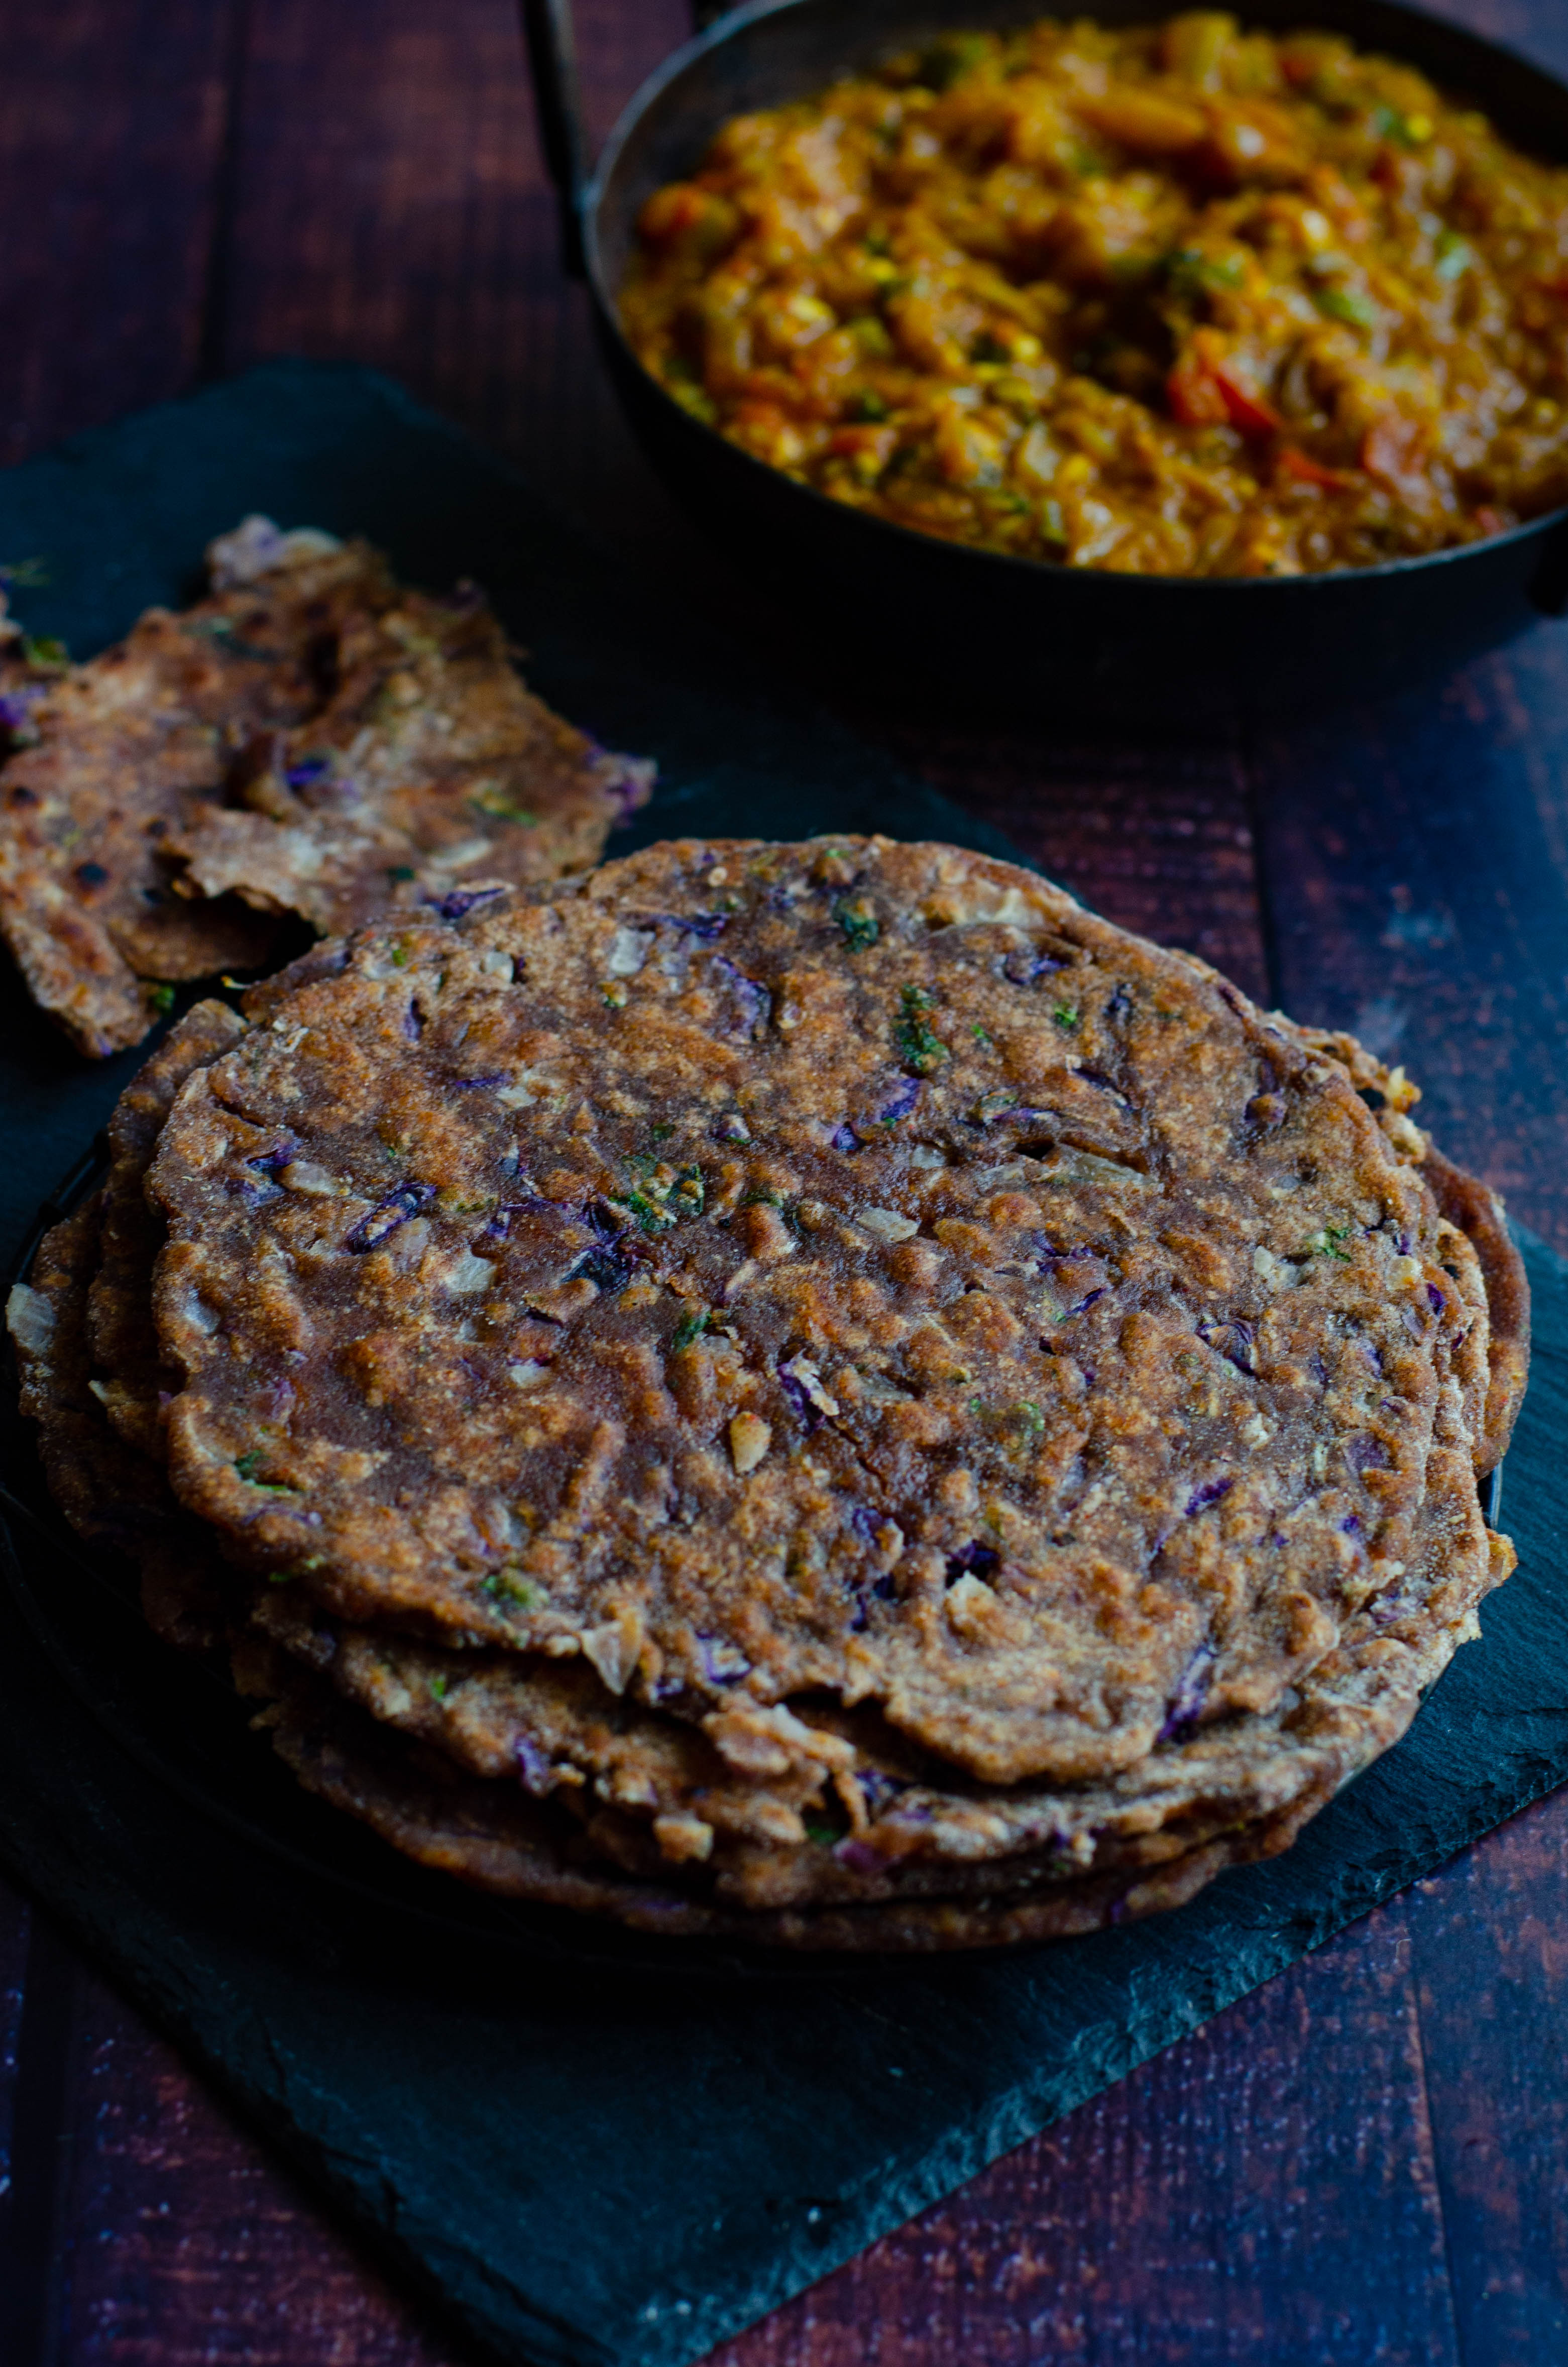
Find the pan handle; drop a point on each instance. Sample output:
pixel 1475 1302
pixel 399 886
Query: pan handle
pixel 558 102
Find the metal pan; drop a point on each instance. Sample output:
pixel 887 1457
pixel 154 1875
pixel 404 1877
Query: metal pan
pixel 1138 647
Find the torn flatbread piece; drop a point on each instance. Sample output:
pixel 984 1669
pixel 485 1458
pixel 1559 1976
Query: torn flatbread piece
pixel 112 760
pixel 432 766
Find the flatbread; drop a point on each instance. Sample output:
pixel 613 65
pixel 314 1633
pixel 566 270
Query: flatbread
pixel 121 754
pixel 310 739
pixel 846 1270
pixel 110 1491
pixel 120 1316
pixel 431 766
pixel 517 1848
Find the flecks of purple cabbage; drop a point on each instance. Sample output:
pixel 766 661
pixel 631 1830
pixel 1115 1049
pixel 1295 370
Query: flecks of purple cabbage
pixel 974 1560
pixel 1320 1368
pixel 606 1269
pixel 1373 1357
pixel 996 1110
pixel 1232 1340
pixel 879 1788
pixel 858 1857
pixel 462 899
pixel 414 1023
pixel 271 1161
pixel 1118 1008
pixel 1191 1693
pixel 1402 1244
pixel 1210 1493
pixel 477 1084
pixel 704 926
pixel 801 1375
pixel 730 1126
pixel 17 706
pixel 1435 1298
pixel 385 1219
pixel 1022 969
pixel 253 1191
pixel 799 1402
pixel 903 1099
pixel 843 1138
pixel 866 1525
pixel 1351 1526
pixel 1365 1454
pixel 309 770
pixel 753 1002
pixel 1084 1303
pixel 722 1663
pixel 534 1770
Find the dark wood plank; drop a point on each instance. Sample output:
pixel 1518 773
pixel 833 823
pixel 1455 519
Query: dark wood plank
pixel 1158 840
pixel 15 1923
pixel 1417 861
pixel 391 206
pixel 1215 2207
pixel 1490 1952
pixel 112 125
pixel 182 2243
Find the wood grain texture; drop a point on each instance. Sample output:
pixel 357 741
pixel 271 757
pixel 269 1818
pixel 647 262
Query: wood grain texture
pixel 15 1923
pixel 1489 1947
pixel 1207 2209
pixel 112 126
pixel 169 2238
pixel 1360 2164
pixel 391 207
pixel 1414 860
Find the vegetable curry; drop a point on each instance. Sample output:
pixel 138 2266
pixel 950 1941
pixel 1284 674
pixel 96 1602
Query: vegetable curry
pixel 1181 300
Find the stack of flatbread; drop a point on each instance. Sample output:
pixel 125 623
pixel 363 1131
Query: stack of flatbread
pixel 818 1393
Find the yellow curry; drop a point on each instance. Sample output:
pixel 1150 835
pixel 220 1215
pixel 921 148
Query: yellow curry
pixel 1181 300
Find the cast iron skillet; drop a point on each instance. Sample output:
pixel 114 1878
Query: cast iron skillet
pixel 1150 648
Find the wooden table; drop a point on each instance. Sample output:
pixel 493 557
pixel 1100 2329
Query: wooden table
pixel 1366 2161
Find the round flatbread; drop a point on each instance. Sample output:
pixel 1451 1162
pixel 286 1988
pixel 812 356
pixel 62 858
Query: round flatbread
pixel 847 1271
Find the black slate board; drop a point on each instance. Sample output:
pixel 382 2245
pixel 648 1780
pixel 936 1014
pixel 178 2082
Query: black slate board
pixel 588 2157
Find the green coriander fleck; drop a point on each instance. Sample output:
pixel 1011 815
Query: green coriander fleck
pixel 923 1050
pixel 510 1590
pixel 859 922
